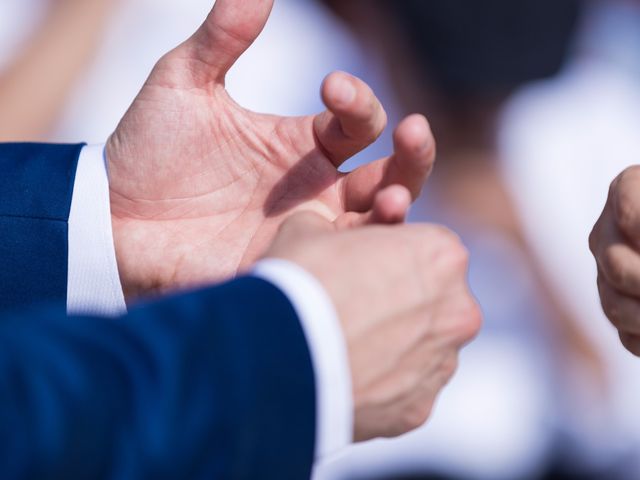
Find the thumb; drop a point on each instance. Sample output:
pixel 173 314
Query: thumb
pixel 229 30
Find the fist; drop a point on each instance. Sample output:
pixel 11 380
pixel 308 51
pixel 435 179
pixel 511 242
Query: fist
pixel 615 243
pixel 404 305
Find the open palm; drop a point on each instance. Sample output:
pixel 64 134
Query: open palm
pixel 199 185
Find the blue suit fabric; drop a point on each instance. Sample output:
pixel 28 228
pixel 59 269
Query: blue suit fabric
pixel 211 384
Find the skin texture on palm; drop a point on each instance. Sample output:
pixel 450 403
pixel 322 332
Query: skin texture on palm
pixel 199 185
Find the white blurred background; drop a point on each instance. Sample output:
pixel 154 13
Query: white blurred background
pixel 536 106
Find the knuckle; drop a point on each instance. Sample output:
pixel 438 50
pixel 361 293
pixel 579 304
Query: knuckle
pixel 629 177
pixel 416 414
pixel 474 320
pixel 626 200
pixel 610 308
pixel 626 212
pixel 449 236
pixel 459 255
pixel 594 238
pixel 451 248
pixel 468 322
pixel 438 232
pixel 613 265
pixel 449 367
pixel 631 343
pixel 607 302
pixel 608 305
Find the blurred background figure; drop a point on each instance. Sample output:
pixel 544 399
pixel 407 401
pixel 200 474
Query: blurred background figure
pixel 562 142
pixel 70 68
pixel 540 394
pixel 545 391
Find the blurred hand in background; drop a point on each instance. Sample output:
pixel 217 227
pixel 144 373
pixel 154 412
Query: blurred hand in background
pixel 615 243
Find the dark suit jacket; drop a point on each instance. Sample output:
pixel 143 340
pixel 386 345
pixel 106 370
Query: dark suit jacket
pixel 214 384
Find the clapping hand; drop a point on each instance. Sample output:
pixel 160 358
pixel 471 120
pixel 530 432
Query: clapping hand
pixel 199 185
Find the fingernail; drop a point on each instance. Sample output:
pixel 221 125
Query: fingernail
pixel 345 92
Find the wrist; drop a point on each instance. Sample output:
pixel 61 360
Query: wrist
pixel 129 287
pixel 126 242
pixel 146 257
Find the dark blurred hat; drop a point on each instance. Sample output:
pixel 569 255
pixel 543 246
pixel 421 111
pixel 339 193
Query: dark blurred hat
pixel 479 47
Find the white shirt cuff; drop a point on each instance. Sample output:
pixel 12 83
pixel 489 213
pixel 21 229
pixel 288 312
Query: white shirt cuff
pixel 93 281
pixel 334 398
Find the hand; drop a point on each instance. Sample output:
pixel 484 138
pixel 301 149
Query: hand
pixel 405 308
pixel 199 185
pixel 615 243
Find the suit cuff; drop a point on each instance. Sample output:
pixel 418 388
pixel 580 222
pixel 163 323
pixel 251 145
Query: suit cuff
pixel 93 281
pixel 320 323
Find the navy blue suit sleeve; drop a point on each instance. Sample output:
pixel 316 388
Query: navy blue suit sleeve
pixel 36 187
pixel 214 384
